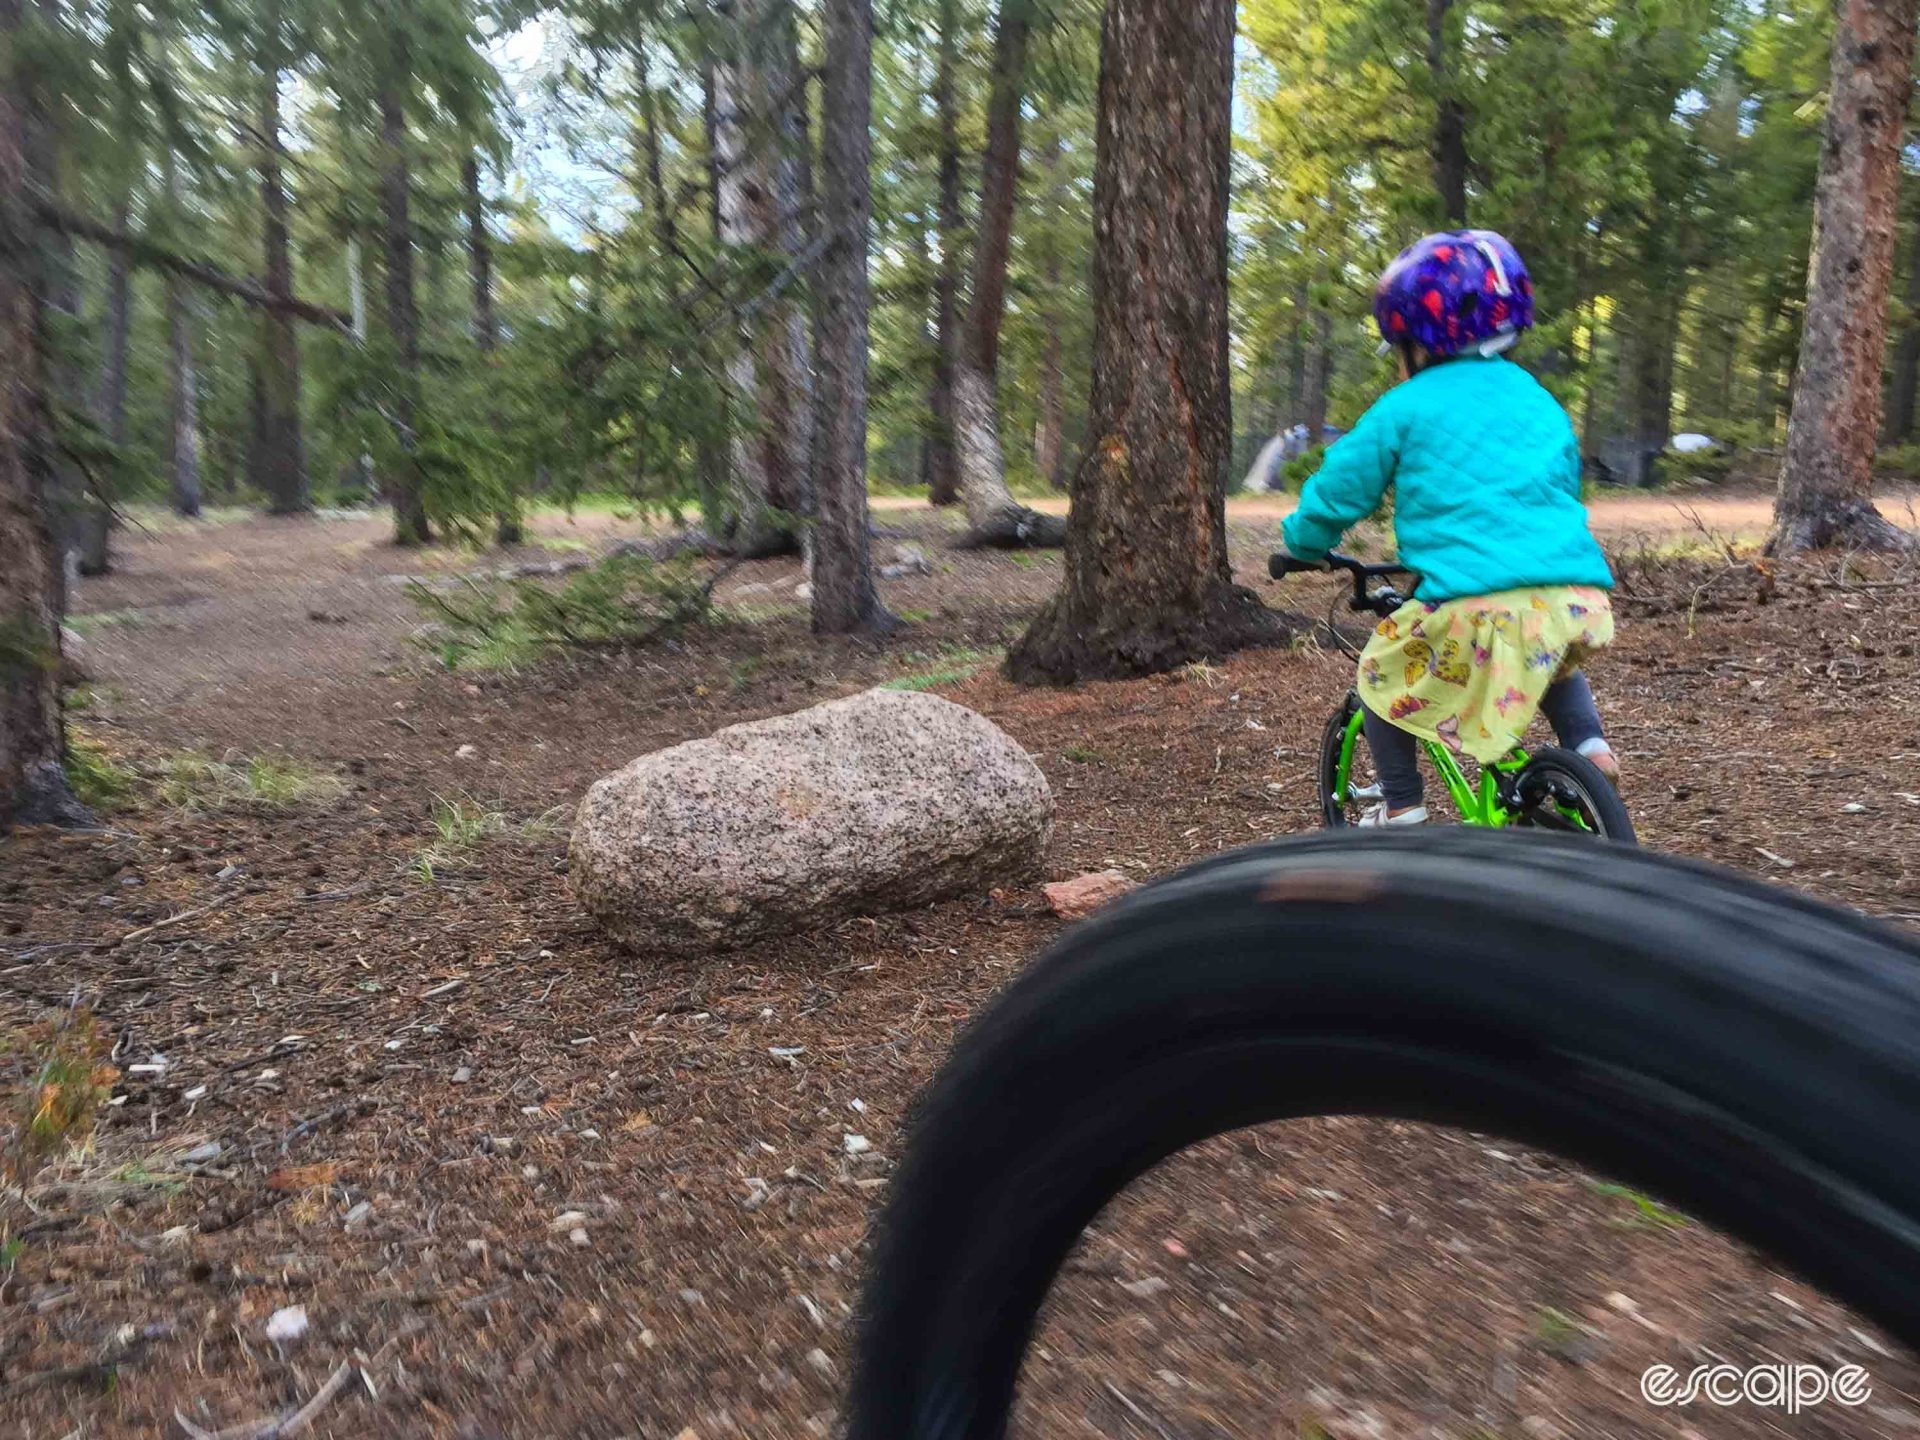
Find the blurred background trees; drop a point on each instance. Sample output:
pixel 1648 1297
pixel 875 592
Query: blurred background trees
pixel 575 246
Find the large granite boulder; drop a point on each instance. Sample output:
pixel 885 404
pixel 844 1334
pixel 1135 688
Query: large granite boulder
pixel 880 801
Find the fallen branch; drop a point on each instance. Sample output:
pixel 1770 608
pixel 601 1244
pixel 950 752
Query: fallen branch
pixel 272 1429
pixel 170 921
pixel 203 272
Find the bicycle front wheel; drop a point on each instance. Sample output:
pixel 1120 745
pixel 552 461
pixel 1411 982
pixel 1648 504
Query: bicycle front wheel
pixel 1338 807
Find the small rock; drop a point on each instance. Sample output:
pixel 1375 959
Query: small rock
pixel 1084 894
pixel 358 1214
pixel 1626 1304
pixel 566 1219
pixel 201 1154
pixel 287 1325
pixel 530 1172
pixel 856 1144
pixel 1145 1289
pixel 821 1361
pixel 692 1297
pixel 463 1075
pixel 1853 807
pixel 578 1235
pixel 226 872
pixel 804 590
pixel 465 752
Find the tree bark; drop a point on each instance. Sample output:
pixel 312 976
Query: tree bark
pixel 844 601
pixel 758 124
pixel 58 285
pixel 943 483
pixel 284 461
pixel 1449 121
pixel 1297 360
pixel 183 392
pixel 507 527
pixel 1319 376
pixel 713 448
pixel 1906 356
pixel 1825 495
pixel 110 408
pixel 994 517
pixel 403 315
pixel 183 385
pixel 1148 584
pixel 33 782
pixel 1049 460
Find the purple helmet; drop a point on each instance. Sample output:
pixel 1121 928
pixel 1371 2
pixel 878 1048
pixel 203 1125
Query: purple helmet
pixel 1455 291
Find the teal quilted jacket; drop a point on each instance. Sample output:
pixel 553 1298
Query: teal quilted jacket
pixel 1485 472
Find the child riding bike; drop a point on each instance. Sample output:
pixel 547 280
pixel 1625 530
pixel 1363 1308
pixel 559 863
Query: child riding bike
pixel 1487 511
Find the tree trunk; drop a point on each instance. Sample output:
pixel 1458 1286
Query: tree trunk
pixel 33 784
pixel 507 528
pixel 403 315
pixel 1906 356
pixel 1049 461
pixel 1313 404
pixel 844 601
pixel 1297 360
pixel 1825 495
pixel 116 343
pixel 1148 585
pixel 110 407
pixel 283 462
pixel 183 393
pixel 994 517
pixel 1449 121
pixel 58 284
pixel 757 119
pixel 714 448
pixel 183 385
pixel 943 483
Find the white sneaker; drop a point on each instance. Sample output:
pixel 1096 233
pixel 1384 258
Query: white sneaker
pixel 1381 815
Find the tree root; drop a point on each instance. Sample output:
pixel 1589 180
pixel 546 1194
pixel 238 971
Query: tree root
pixel 1854 525
pixel 1059 649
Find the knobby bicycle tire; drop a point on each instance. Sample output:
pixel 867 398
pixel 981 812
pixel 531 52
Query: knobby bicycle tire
pixel 1607 810
pixel 1743 1052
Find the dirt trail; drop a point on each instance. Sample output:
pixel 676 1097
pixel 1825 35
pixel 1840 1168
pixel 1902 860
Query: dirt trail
pixel 415 1070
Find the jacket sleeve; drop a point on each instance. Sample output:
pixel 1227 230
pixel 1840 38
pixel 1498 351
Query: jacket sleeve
pixel 1348 486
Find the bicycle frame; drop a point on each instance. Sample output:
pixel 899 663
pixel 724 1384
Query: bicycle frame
pixel 1478 805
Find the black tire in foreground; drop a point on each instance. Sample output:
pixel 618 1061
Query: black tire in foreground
pixel 1744 1053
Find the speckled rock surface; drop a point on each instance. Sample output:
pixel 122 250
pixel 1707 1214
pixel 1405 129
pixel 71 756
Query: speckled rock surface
pixel 881 801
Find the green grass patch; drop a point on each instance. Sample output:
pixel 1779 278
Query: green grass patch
pixel 99 781
pixel 949 665
pixel 1648 1213
pixel 196 784
pixel 1080 755
pixel 103 620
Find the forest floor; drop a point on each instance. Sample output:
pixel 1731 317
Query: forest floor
pixel 525 1185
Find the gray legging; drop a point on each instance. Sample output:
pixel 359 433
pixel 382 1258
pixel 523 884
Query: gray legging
pixel 1568 706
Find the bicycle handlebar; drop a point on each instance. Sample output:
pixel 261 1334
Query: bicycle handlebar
pixel 1280 565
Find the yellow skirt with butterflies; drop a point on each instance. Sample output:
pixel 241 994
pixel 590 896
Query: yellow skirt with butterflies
pixel 1470 672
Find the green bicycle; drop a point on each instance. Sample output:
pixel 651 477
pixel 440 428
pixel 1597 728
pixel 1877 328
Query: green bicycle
pixel 1547 789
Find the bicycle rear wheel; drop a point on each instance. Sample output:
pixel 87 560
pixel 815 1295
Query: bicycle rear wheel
pixel 1561 790
pixel 1745 1053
